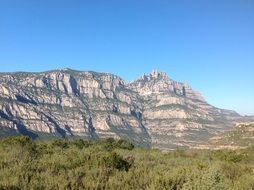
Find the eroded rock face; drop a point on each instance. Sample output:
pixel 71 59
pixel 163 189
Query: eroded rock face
pixel 158 82
pixel 152 111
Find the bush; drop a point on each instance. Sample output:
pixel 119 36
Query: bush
pixel 111 144
pixel 124 144
pixel 20 140
pixel 231 171
pixel 80 143
pixel 229 156
pixel 60 143
pixel 115 161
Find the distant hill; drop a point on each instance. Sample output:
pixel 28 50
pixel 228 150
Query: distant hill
pixel 241 136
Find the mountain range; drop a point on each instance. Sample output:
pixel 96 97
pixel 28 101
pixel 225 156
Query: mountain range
pixel 152 111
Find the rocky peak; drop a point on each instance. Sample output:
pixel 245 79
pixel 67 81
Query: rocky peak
pixel 159 82
pixel 154 75
pixel 158 75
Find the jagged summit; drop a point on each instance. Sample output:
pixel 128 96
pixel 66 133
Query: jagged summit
pixel 154 75
pixel 159 82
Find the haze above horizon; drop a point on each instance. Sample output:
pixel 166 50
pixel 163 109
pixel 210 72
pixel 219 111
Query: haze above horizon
pixel 209 44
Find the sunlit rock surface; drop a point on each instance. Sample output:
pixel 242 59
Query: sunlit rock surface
pixel 152 111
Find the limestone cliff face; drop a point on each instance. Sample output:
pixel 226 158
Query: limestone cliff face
pixel 175 115
pixel 152 111
pixel 158 82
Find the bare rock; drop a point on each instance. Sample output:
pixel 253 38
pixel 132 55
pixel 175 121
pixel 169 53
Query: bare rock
pixel 151 111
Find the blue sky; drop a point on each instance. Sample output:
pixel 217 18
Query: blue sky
pixel 209 44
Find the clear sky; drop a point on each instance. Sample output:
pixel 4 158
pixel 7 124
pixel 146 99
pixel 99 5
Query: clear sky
pixel 208 43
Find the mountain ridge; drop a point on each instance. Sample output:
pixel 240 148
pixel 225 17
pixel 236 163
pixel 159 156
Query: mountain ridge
pixel 90 104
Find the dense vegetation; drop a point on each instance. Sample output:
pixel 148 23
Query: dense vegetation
pixel 116 164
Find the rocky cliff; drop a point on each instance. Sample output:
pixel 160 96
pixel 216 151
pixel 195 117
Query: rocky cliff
pixel 152 111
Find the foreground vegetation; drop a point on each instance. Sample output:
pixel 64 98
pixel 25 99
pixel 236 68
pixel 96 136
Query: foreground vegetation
pixel 116 164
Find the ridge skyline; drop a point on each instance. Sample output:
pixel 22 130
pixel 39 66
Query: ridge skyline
pixel 128 81
pixel 152 111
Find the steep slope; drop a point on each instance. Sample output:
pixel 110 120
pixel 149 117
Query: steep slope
pixel 175 115
pixel 152 111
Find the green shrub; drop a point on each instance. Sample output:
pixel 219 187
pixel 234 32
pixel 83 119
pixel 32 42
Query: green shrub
pixel 124 144
pixel 229 156
pixel 231 171
pixel 60 143
pixel 115 161
pixel 80 143
pixel 110 144
pixel 20 140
